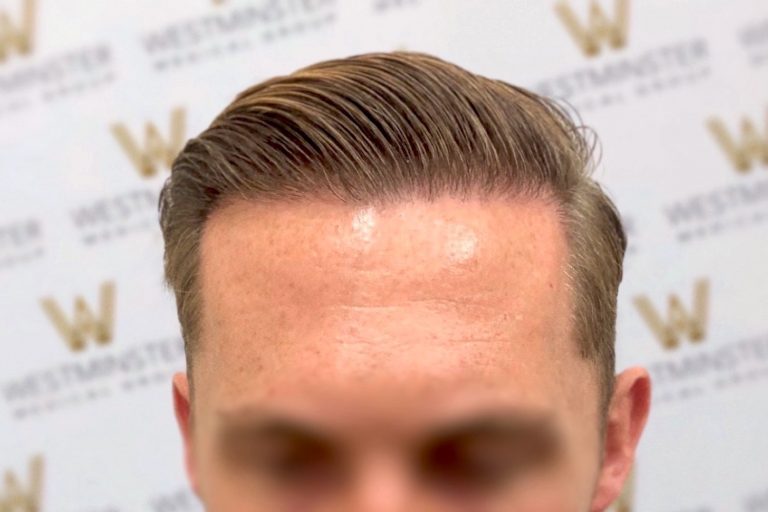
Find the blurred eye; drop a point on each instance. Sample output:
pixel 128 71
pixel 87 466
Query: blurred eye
pixel 298 465
pixel 466 467
pixel 483 456
pixel 285 458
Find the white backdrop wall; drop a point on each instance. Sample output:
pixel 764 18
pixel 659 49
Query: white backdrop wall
pixel 97 97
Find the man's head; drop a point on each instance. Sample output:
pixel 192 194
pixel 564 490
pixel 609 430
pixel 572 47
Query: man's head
pixel 397 286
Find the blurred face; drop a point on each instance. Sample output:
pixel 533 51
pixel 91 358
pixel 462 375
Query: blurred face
pixel 411 358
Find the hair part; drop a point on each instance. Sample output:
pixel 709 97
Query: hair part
pixel 389 127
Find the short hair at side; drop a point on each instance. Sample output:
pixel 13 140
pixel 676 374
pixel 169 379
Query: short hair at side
pixel 386 127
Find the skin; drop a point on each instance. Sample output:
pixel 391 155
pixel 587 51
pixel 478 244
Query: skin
pixel 416 357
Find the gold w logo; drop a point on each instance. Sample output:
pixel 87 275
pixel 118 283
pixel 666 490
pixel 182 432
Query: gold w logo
pixel 625 501
pixel 599 29
pixel 17 37
pixel 679 322
pixel 17 499
pixel 156 151
pixel 742 153
pixel 84 323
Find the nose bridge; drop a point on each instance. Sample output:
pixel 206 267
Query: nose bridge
pixel 383 483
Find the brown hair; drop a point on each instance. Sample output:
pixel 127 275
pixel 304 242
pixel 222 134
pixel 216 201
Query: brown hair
pixel 382 127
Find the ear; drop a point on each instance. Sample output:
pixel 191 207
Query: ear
pixel 626 420
pixel 181 406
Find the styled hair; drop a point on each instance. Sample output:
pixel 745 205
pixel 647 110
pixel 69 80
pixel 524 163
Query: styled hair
pixel 389 127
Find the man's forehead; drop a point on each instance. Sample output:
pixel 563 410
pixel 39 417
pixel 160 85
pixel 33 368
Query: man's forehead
pixel 448 282
pixel 378 254
pixel 419 299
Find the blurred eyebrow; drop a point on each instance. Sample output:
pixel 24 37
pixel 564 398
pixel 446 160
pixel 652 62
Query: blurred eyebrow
pixel 537 433
pixel 257 423
pixel 534 431
pixel 504 423
pixel 246 432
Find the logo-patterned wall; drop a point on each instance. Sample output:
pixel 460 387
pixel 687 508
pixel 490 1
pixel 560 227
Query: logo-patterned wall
pixel 96 99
